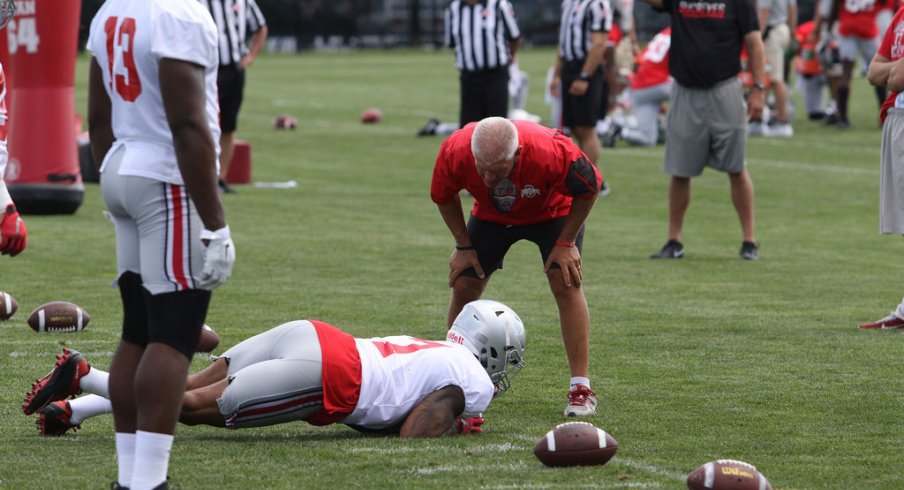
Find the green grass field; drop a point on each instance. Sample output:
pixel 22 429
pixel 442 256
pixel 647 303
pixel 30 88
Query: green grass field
pixel 704 358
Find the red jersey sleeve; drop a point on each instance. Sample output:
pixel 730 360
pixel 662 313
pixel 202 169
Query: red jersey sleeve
pixel 581 179
pixel 446 183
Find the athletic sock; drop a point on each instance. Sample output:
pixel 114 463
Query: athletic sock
pixel 843 94
pixel 125 456
pixel 96 382
pixel 85 407
pixel 152 452
pixel 579 380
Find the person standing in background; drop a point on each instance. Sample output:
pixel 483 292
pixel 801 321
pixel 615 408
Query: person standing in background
pixel 707 122
pixel 485 37
pixel 235 19
pixel 578 72
pixel 778 19
pixel 152 116
pixel 13 235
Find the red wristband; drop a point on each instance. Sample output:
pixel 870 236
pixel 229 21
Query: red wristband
pixel 560 243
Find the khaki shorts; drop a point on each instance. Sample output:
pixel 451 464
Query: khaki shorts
pixel 778 41
pixel 891 180
pixel 706 128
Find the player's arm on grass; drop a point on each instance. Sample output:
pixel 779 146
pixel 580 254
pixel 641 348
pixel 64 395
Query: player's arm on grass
pixel 100 127
pixel 436 415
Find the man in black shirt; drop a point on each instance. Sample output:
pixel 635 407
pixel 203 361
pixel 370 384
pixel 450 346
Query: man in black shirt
pixel 707 122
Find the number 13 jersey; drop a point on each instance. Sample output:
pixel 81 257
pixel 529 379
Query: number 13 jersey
pixel 128 38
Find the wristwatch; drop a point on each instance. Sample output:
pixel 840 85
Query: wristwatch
pixel 759 86
pixel 584 76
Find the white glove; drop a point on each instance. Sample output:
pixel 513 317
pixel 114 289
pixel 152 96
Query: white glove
pixel 218 258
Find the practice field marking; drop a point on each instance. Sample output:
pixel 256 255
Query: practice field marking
pixel 495 448
pixel 91 354
pixel 647 468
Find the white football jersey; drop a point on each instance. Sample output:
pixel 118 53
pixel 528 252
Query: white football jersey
pixel 128 38
pixel 398 372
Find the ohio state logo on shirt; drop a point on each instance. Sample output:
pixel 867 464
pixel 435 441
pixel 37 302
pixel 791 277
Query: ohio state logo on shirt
pixel 705 10
pixel 530 191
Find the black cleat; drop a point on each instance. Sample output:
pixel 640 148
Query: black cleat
pixel 749 251
pixel 673 249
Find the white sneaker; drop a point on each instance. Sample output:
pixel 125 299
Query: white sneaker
pixel 754 128
pixel 782 130
pixel 581 402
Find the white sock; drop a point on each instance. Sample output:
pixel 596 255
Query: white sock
pixel 85 407
pixel 576 380
pixel 152 452
pixel 125 456
pixel 96 382
pixel 900 309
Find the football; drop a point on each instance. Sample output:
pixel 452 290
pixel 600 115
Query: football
pixel 58 316
pixel 575 443
pixel 8 306
pixel 285 122
pixel 727 474
pixel 371 115
pixel 209 340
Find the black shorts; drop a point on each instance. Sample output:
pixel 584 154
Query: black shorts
pixel 584 110
pixel 483 94
pixel 493 241
pixel 230 88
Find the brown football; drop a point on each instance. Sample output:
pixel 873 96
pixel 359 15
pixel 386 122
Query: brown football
pixel 727 474
pixel 209 340
pixel 371 115
pixel 58 316
pixel 8 306
pixel 575 443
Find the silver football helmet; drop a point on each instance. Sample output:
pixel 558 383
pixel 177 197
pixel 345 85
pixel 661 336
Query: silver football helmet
pixel 494 333
pixel 7 11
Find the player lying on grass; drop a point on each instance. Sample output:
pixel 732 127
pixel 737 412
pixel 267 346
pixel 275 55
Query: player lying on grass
pixel 309 370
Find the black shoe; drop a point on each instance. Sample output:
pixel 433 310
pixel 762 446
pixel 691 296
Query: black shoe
pixel 831 119
pixel 429 129
pixel 612 136
pixel 673 249
pixel 844 124
pixel 226 187
pixel 605 190
pixel 749 251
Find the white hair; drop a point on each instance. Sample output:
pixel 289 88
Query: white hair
pixel 495 139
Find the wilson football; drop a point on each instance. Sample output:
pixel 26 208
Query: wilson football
pixel 727 474
pixel 209 340
pixel 8 306
pixel 575 443
pixel 58 316
pixel 371 115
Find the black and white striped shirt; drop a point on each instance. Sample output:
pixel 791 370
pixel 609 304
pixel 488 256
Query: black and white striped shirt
pixel 481 33
pixel 236 20
pixel 580 18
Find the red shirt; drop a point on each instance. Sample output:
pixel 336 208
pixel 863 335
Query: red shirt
pixel 550 170
pixel 857 18
pixel 892 48
pixel 654 61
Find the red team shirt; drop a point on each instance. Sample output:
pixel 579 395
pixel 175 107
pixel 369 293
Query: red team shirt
pixel 538 193
pixel 892 48
pixel 654 61
pixel 857 18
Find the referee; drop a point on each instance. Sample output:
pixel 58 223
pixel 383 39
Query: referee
pixel 583 32
pixel 485 36
pixel 236 20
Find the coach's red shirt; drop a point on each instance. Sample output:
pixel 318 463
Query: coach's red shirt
pixel 892 48
pixel 549 173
